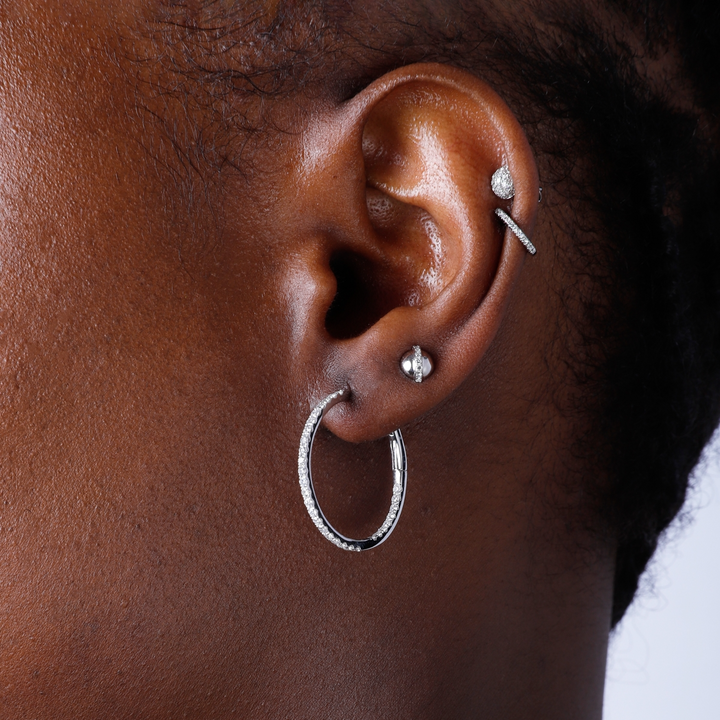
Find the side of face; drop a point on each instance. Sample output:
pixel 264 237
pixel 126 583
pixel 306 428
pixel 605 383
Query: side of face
pixel 123 373
pixel 164 337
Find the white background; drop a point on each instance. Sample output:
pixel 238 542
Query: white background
pixel 664 661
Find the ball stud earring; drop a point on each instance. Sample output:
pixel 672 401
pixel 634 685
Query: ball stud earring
pixel 416 364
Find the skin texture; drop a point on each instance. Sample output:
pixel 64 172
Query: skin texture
pixel 165 335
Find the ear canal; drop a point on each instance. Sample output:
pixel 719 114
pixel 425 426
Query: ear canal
pixel 374 278
pixel 361 297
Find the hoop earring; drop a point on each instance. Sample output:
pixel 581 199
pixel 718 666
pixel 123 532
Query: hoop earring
pixel 399 470
pixel 515 229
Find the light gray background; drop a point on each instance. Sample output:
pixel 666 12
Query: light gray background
pixel 664 661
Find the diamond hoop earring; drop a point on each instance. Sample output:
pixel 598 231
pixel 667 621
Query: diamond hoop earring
pixel 515 229
pixel 399 470
pixel 503 187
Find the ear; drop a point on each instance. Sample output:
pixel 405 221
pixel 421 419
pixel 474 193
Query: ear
pixel 402 244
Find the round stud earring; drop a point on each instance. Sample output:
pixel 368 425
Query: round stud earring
pixel 416 364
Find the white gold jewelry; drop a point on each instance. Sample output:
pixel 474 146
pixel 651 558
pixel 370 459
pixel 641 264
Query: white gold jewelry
pixel 519 234
pixel 503 186
pixel 416 364
pixel 502 183
pixel 399 470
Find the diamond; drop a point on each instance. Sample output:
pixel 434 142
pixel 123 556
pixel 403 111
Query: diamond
pixel 418 364
pixel 417 369
pixel 502 183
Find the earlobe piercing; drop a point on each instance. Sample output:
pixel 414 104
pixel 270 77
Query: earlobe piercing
pixel 503 187
pixel 416 364
pixel 399 471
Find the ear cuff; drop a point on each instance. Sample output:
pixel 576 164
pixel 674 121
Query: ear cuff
pixel 503 187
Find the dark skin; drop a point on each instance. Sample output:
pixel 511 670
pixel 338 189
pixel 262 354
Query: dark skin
pixel 162 349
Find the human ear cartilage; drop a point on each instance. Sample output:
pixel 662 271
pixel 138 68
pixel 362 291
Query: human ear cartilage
pixel 503 187
pixel 399 471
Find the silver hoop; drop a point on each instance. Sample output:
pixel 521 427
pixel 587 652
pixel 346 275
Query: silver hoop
pixel 399 470
pixel 515 229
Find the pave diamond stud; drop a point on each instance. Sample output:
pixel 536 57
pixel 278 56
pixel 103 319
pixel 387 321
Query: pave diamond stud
pixel 416 364
pixel 502 183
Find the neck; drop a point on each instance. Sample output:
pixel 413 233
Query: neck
pixel 461 614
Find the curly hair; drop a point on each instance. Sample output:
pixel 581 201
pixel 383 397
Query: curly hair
pixel 650 137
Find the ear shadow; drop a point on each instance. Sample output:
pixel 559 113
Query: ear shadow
pixel 353 483
pixel 361 298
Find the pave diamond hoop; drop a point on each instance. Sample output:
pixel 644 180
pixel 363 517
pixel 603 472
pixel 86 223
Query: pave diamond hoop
pixel 515 229
pixel 399 470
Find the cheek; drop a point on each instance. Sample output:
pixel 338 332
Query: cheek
pixel 139 353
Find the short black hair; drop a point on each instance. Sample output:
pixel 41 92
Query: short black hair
pixel 651 312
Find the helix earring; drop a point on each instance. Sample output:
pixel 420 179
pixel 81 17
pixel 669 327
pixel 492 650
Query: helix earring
pixel 416 364
pixel 399 470
pixel 503 187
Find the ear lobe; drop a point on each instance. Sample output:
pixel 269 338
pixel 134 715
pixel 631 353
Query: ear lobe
pixel 418 254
